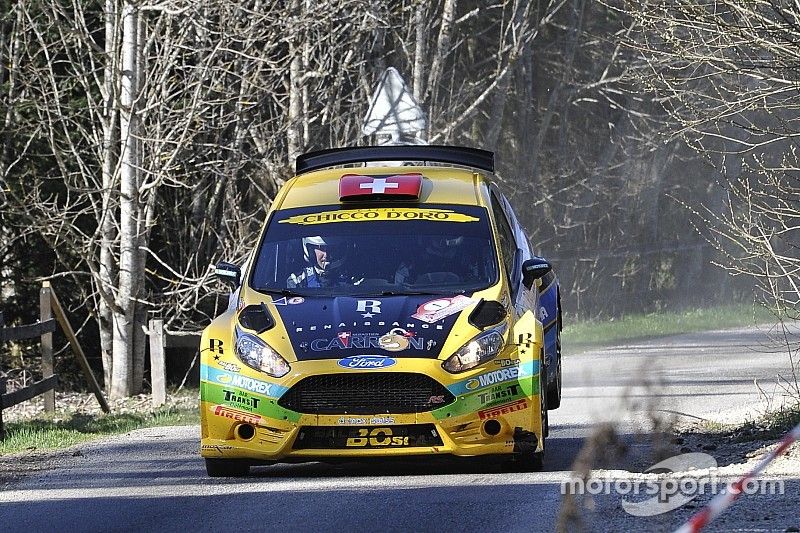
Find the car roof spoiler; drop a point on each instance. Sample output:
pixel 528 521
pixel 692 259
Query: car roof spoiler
pixel 457 155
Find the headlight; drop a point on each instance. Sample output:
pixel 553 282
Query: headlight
pixel 258 355
pixel 480 349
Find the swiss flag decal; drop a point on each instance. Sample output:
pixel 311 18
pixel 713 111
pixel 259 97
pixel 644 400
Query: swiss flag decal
pixel 355 186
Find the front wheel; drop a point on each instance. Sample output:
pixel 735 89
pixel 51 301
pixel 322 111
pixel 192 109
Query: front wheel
pixel 544 400
pixel 526 458
pixel 227 468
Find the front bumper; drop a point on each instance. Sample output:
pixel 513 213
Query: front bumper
pixel 495 410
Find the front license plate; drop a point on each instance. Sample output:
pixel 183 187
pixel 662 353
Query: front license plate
pixel 325 437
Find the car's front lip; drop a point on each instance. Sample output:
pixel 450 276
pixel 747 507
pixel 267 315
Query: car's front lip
pixel 458 424
pixel 278 443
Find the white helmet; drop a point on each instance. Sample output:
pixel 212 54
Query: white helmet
pixel 337 253
pixel 315 240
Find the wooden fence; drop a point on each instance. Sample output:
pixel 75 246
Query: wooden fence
pixel 160 339
pixel 48 305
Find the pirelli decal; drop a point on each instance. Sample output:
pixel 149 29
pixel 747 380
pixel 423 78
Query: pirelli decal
pixel 235 414
pixel 500 410
pixel 366 215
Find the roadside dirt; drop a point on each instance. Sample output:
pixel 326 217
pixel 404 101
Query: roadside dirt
pixel 738 449
pixel 16 466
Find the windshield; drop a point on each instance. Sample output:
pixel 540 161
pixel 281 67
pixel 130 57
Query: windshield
pixel 336 251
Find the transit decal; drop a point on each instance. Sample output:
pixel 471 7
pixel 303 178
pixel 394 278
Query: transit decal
pixel 255 404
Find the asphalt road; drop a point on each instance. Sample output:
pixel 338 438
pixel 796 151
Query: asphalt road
pixel 154 480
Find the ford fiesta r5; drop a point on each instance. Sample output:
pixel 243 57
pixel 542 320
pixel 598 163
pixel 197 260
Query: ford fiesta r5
pixel 386 311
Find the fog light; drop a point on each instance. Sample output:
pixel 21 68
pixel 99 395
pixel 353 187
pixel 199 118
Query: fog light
pixel 245 431
pixel 492 427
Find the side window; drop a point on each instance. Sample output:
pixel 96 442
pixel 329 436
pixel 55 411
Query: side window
pixel 506 236
pixel 519 233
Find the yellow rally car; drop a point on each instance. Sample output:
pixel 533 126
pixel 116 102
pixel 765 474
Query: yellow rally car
pixel 386 311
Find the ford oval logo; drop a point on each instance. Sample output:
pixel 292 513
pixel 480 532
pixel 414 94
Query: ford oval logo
pixel 366 362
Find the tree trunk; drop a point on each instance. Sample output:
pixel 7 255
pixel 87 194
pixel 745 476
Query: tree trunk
pixel 495 123
pixel 107 270
pixel 143 218
pixel 419 51
pixel 122 372
pixel 294 132
pixel 576 32
pixel 437 62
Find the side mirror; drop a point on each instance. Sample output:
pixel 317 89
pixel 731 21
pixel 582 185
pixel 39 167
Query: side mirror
pixel 228 273
pixel 533 269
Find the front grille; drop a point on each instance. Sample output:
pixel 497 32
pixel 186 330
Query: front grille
pixel 380 392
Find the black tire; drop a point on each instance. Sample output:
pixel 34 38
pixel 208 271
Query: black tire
pixel 554 388
pixel 227 468
pixel 536 462
pixel 537 459
pixel 545 401
pixel 528 460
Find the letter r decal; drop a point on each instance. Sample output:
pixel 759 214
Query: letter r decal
pixel 215 345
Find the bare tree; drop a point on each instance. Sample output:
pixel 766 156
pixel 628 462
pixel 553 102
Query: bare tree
pixel 726 72
pixel 145 141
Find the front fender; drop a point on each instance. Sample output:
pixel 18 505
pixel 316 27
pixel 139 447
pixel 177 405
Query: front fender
pixel 528 335
pixel 216 350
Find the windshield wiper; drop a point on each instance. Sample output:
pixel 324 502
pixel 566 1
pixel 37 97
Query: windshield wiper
pixel 281 292
pixel 417 293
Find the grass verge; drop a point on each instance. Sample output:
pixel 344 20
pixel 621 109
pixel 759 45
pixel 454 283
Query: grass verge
pixel 65 430
pixel 645 326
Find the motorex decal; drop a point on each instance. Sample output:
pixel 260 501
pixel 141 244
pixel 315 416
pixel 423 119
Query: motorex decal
pixel 343 326
pixel 229 379
pixel 251 402
pixel 495 377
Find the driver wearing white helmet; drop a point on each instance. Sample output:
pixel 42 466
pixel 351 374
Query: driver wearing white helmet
pixel 321 262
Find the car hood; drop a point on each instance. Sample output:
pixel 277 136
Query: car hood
pixel 395 326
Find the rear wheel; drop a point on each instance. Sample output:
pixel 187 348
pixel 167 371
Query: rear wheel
pixel 544 400
pixel 536 459
pixel 227 468
pixel 554 388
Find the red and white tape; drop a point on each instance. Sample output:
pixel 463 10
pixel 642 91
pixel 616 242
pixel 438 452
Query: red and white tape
pixel 722 501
